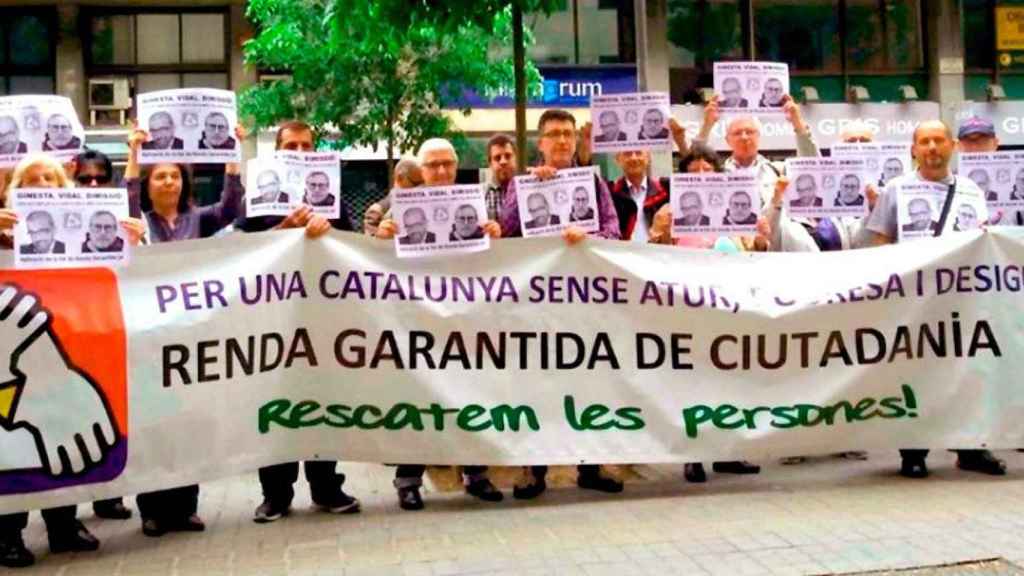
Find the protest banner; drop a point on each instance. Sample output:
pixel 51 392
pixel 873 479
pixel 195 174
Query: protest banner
pixel 827 187
pixel 546 207
pixel 273 348
pixel 714 203
pixel 751 87
pixel 440 220
pixel 883 160
pixel 70 227
pixel 189 125
pixel 38 124
pixel 279 183
pixel 1000 175
pixel 631 122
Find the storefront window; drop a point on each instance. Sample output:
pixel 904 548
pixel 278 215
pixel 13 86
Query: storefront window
pixel 26 52
pixel 978 34
pixel 585 33
pixel 809 42
pixel 883 35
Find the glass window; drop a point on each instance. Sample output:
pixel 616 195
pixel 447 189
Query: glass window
pixel 883 35
pixel 584 32
pixel 29 41
pixel 159 39
pixel 701 32
pixel 150 82
pixel 978 34
pixel 31 85
pixel 810 42
pixel 204 81
pixel 113 39
pixel 205 33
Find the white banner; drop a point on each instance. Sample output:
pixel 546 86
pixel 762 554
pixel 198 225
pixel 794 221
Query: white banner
pixel 269 348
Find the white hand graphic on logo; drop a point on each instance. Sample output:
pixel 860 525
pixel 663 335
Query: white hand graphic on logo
pixel 17 329
pixel 60 404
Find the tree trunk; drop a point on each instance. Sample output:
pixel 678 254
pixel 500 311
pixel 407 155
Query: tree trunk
pixel 519 57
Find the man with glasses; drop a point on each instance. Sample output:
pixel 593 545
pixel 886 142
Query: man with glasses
pixel 318 186
pixel 414 222
pixel 892 168
pixel 611 130
pixel 10 137
pixel 269 185
pixel 216 133
pixel 849 191
pixel 773 95
pixel 692 209
pixel 806 193
pixel 739 212
pixel 582 211
pixel 921 216
pixel 102 236
pixel 540 211
pixel 59 135
pixel 42 230
pixel 732 92
pixel 467 224
pixel 161 133
pixel 557 146
pixel 653 127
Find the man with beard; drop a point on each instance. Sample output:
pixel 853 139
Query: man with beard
pixel 269 185
pixel 318 186
pixel 102 236
pixel 849 191
pixel 59 135
pixel 806 192
pixel 739 212
pixel 467 224
pixel 10 137
pixel 216 133
pixel 773 95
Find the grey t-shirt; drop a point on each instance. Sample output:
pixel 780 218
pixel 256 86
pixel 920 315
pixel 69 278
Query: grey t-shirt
pixel 884 219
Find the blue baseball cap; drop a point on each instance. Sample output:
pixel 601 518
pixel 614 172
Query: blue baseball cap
pixel 976 125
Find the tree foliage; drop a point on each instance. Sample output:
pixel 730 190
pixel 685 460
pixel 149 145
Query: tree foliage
pixel 377 70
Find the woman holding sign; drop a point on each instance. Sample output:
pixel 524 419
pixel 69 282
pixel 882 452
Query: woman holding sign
pixel 65 532
pixel 701 158
pixel 163 196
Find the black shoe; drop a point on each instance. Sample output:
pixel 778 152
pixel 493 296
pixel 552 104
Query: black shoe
pixel 13 553
pixel 270 511
pixel 191 523
pixel 694 472
pixel 410 499
pixel 153 528
pixel 599 483
pixel 484 490
pixel 736 467
pixel 74 538
pixel 914 467
pixel 981 461
pixel 530 491
pixel 337 503
pixel 111 509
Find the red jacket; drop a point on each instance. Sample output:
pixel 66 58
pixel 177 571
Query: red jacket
pixel 657 196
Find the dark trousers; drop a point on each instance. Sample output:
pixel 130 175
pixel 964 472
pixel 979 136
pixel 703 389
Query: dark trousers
pixel 408 475
pixel 922 454
pixel 169 505
pixel 56 519
pixel 278 480
pixel 584 470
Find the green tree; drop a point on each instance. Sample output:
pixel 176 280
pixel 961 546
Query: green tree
pixel 373 71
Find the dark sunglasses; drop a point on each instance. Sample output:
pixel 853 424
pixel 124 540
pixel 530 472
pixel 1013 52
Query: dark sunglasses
pixel 85 179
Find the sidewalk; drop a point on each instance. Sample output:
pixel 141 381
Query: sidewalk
pixel 826 516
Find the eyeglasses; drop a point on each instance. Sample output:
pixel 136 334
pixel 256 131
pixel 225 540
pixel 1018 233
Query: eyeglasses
pixel 86 180
pixel 559 134
pixel 103 227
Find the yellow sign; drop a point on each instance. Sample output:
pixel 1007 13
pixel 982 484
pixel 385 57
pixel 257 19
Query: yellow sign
pixel 1010 27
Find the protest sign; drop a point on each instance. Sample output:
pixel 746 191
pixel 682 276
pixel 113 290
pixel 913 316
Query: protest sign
pixel 631 122
pixel 273 348
pixel 546 207
pixel 70 227
pixel 189 125
pixel 714 203
pixel 883 160
pixel 751 87
pixel 920 205
pixel 440 220
pixel 826 187
pixel 277 184
pixel 1000 175
pixel 38 124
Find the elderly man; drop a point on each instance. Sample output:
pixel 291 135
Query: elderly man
pixel 439 163
pixel 102 236
pixel 59 135
pixel 932 149
pixel 557 146
pixel 582 211
pixel 892 168
pixel 540 211
pixel 773 95
pixel 611 130
pixel 406 174
pixel 732 94
pixel 161 133
pixel 966 218
pixel 269 185
pixel 414 222
pixel 10 137
pixel 692 209
pixel 278 481
pixel 318 190
pixel 806 192
pixel 922 217
pixel 739 212
pixel 467 225
pixel 653 127
pixel 216 133
pixel 42 230
pixel 849 191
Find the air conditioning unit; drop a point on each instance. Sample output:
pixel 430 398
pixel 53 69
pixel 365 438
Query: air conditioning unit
pixel 109 94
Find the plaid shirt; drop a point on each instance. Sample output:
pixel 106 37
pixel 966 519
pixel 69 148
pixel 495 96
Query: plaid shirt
pixel 494 196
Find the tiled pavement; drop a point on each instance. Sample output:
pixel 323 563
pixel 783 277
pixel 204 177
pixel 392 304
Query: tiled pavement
pixel 827 516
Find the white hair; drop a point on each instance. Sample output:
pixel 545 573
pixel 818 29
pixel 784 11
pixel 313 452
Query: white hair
pixel 752 119
pixel 435 145
pixel 854 127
